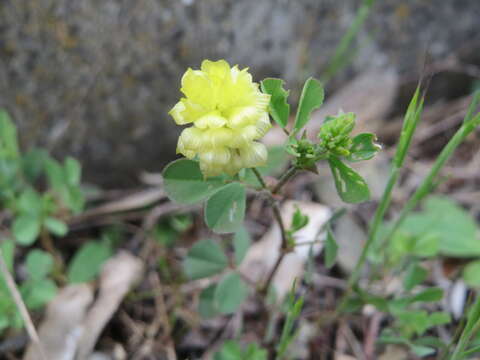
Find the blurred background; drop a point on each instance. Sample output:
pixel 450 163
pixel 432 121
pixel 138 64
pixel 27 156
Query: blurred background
pixel 95 79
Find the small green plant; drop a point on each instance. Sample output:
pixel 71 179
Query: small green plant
pixel 38 194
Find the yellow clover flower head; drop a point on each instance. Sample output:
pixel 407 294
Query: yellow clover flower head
pixel 228 112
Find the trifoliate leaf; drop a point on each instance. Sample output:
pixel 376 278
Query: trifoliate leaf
pixel 55 226
pixel 204 259
pixel 241 243
pixel 351 187
pixel 363 147
pixel 88 261
pixel 38 264
pixel 279 109
pixel 225 209
pixel 230 293
pixel 311 99
pixel 185 183
pixel 26 229
pixel 331 249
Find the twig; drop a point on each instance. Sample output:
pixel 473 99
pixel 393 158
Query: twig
pixel 372 334
pixel 17 298
pixel 163 316
pixel 353 342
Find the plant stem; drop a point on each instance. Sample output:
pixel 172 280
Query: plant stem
pixel 283 180
pixel 260 178
pixel 278 217
pixel 471 327
pixel 458 331
pixel 377 220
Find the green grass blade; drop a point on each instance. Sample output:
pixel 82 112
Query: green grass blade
pixel 341 56
pixel 428 184
pixel 410 122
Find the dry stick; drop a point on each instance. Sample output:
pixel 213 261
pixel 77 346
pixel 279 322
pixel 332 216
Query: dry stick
pixel 17 298
pixel 164 318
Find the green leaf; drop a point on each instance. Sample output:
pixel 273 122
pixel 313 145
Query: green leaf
pixel 454 227
pixel 4 322
pixel 279 109
pixel 421 350
pixel 37 293
pixel 311 99
pixel 350 186
pixel 429 295
pixel 414 276
pixel 230 293
pixel 241 243
pixel 225 209
pixel 471 274
pixel 229 351
pixel 88 261
pixel 33 164
pixel 294 308
pixel 73 171
pixel 363 147
pixel 205 258
pixel 439 318
pixel 55 226
pixel 73 198
pixel 331 248
pixel 7 248
pixel 26 229
pixel 29 202
pixel 206 305
pixel 8 136
pixel 184 182
pixel 253 352
pixel 38 264
pixel 55 173
pixel 299 220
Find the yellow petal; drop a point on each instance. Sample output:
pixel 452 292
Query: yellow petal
pixel 176 113
pixel 191 139
pixel 198 88
pixel 216 157
pixel 185 112
pixel 242 116
pixel 244 136
pixel 234 165
pixel 262 126
pixel 211 120
pixel 216 69
pixel 253 155
pixel 221 137
pixel 262 101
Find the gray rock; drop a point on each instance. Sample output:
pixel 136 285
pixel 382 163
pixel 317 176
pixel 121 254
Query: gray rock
pixel 95 79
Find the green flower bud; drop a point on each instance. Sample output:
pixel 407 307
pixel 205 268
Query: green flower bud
pixel 335 134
